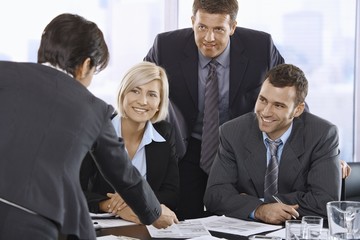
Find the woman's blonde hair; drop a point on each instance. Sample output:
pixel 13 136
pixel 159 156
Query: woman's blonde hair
pixel 140 74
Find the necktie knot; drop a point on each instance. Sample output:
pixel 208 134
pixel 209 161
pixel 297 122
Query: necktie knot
pixel 273 146
pixel 212 69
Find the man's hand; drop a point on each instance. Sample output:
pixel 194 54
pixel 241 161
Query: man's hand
pixel 345 169
pixel 166 219
pixel 276 213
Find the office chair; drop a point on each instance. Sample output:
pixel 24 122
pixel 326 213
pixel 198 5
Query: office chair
pixel 351 185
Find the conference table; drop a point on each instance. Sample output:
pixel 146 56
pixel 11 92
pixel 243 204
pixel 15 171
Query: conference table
pixel 141 232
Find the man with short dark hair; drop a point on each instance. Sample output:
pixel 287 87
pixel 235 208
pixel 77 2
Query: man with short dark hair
pixel 279 153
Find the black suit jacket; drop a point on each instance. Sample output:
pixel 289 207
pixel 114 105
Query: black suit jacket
pixel 252 54
pixel 162 172
pixel 48 122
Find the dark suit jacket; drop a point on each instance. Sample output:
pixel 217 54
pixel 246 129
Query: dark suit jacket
pixel 309 170
pixel 48 122
pixel 162 172
pixel 252 54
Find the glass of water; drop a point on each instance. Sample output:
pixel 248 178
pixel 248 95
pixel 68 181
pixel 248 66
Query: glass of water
pixel 295 229
pixel 314 225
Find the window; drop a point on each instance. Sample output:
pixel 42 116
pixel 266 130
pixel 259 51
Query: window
pixel 319 37
pixel 129 27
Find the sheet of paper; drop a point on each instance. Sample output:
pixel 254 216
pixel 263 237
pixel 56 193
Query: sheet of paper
pixel 101 215
pixel 185 229
pixel 113 237
pixel 108 223
pixel 278 233
pixel 237 226
pixel 205 238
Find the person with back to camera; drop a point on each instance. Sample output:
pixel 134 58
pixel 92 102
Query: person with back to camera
pixel 49 121
pixel 302 170
pixel 142 106
pixel 243 56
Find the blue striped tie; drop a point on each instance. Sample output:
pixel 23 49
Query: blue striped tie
pixel 272 171
pixel 210 133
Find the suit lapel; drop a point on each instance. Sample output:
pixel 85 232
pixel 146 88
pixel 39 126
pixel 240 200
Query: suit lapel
pixel 238 64
pixel 256 164
pixel 189 67
pixel 290 165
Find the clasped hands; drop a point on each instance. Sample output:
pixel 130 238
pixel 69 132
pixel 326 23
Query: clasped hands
pixel 116 205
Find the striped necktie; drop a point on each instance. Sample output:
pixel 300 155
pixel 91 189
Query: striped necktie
pixel 210 133
pixel 272 171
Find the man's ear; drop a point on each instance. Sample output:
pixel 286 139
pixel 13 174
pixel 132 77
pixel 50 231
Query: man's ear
pixel 233 28
pixel 299 109
pixel 83 69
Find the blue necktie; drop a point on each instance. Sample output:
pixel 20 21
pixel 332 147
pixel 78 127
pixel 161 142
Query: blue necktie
pixel 272 171
pixel 210 133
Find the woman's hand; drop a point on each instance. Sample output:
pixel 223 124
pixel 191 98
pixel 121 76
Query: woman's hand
pixel 114 204
pixel 128 214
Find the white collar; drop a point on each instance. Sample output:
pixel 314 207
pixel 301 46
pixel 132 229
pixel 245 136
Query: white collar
pixel 57 68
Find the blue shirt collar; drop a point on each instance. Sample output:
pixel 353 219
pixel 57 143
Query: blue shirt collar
pixel 150 133
pixel 283 138
pixel 223 59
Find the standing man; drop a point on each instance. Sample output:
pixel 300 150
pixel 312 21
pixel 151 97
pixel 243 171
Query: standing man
pixel 49 121
pixel 278 152
pixel 242 57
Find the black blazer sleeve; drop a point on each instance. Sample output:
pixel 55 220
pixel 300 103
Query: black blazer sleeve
pixel 123 176
pixel 93 184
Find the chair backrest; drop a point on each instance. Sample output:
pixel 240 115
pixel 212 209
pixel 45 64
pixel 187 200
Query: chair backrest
pixel 352 183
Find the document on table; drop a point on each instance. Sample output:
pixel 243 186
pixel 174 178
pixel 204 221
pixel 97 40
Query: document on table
pixel 113 237
pixel 108 220
pixel 109 223
pixel 200 227
pixel 185 229
pixel 237 226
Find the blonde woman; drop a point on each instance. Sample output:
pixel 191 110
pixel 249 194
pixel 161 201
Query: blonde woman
pixel 149 140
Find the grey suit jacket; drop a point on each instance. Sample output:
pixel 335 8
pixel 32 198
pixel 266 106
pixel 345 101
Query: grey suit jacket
pixel 252 54
pixel 48 122
pixel 309 171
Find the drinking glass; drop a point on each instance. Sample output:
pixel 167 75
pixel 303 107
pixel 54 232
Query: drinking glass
pixel 314 225
pixel 295 229
pixel 344 219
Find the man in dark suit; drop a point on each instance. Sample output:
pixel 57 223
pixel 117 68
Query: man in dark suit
pixel 243 57
pixel 307 159
pixel 49 121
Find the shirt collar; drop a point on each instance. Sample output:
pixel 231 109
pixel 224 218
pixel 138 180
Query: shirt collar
pixel 150 133
pixel 57 68
pixel 223 59
pixel 283 138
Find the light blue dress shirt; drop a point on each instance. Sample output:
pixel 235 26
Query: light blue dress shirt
pixel 223 73
pixel 283 138
pixel 150 134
